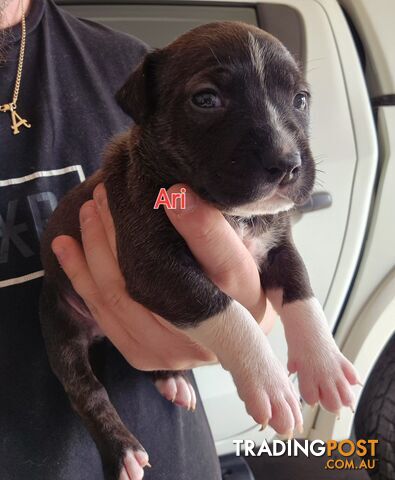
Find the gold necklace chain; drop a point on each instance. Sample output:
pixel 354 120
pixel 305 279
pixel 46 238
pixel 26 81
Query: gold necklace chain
pixel 16 120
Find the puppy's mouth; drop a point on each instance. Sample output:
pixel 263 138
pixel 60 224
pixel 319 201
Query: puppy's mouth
pixel 270 202
pixel 263 198
pixel 276 201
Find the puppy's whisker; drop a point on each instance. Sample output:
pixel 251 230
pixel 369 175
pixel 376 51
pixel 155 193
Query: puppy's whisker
pixel 320 157
pixel 312 69
pixel 318 163
pixel 318 59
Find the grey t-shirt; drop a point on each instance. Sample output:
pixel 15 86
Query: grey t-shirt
pixel 71 72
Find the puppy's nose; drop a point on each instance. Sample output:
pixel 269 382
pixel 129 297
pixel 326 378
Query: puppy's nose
pixel 285 168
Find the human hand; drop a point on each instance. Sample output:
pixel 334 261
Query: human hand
pixel 147 341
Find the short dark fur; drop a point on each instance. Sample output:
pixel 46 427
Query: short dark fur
pixel 230 157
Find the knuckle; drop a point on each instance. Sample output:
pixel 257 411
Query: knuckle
pixel 207 233
pixel 113 298
pixel 93 298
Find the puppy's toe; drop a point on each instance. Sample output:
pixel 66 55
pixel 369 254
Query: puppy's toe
pixel 133 465
pixel 178 390
pixel 308 390
pixel 346 394
pixel 282 420
pixel 259 407
pixel 167 387
pixel 350 372
pixel 329 397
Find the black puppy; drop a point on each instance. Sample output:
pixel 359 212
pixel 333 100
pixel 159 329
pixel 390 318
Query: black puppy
pixel 225 110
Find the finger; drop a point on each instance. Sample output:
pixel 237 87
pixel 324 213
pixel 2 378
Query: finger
pixel 101 261
pixel 217 247
pixel 292 366
pixel 100 198
pixel 71 257
pixel 269 318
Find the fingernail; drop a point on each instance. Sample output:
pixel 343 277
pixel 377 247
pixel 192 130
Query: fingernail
pixel 88 212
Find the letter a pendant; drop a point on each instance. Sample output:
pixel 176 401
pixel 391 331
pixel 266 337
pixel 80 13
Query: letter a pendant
pixel 16 120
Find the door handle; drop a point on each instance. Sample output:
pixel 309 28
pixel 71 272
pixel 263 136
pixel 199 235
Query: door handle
pixel 317 201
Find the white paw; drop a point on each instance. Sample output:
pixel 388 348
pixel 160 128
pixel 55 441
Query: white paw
pixel 261 381
pixel 178 389
pixel 324 374
pixel 134 462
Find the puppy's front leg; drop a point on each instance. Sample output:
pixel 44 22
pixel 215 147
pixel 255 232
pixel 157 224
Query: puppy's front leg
pixel 324 374
pixel 261 381
pixel 189 300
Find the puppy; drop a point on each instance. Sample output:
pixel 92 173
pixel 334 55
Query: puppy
pixel 225 110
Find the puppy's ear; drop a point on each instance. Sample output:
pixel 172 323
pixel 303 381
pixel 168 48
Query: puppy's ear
pixel 138 96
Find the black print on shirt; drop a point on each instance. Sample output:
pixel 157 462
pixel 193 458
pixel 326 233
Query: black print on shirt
pixel 26 203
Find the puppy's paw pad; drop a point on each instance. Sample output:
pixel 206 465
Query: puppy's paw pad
pixel 134 462
pixel 178 390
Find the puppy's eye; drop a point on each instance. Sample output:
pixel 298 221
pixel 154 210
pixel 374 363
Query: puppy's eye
pixel 300 101
pixel 206 99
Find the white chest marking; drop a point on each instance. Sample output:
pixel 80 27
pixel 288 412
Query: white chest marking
pixel 258 246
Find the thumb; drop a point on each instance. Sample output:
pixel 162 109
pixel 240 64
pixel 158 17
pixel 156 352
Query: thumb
pixel 217 247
